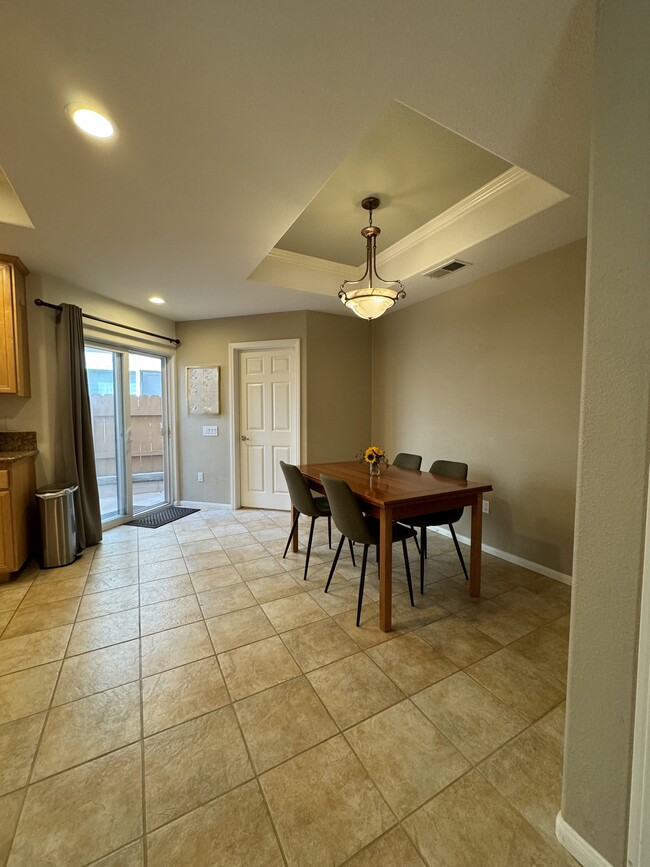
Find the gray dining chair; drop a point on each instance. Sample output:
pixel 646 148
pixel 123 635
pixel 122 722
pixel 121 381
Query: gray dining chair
pixel 357 527
pixel 453 470
pixel 306 503
pixel 407 461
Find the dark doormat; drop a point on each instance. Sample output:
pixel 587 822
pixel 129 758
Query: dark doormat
pixel 161 517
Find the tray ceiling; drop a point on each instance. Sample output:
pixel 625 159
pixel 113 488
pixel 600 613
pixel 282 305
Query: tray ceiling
pixel 417 168
pixel 234 116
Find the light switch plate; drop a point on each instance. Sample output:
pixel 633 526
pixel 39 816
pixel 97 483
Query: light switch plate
pixel 210 430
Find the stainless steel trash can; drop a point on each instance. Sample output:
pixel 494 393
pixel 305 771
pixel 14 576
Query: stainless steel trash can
pixel 58 524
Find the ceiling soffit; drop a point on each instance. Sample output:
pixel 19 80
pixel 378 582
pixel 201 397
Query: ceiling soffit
pixel 502 203
pixel 12 211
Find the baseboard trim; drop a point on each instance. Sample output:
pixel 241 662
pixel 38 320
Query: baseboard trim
pixel 511 558
pixel 496 552
pixel 582 851
pixel 197 504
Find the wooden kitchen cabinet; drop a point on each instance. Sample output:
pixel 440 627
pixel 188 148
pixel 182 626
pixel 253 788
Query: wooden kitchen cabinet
pixel 18 524
pixel 14 346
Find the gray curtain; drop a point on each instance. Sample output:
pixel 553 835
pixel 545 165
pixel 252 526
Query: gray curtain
pixel 75 454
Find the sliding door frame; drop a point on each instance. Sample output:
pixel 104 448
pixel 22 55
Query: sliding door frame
pixel 169 433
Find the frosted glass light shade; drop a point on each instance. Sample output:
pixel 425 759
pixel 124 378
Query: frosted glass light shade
pixel 370 303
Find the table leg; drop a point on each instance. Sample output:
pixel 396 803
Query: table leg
pixel 475 550
pixel 294 541
pixel 385 569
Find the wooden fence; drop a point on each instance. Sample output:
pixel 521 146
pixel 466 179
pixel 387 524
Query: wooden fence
pixel 146 433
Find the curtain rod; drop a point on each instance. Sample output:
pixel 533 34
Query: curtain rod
pixel 40 303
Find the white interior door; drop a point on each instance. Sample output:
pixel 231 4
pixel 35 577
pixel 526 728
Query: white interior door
pixel 268 425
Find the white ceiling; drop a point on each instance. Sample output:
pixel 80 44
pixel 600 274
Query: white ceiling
pixel 233 116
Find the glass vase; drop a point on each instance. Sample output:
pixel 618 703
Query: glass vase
pixel 374 468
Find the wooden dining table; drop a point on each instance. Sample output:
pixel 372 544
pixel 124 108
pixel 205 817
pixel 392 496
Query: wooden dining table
pixel 395 495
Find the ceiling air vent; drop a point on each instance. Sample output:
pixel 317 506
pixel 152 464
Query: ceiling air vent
pixel 449 268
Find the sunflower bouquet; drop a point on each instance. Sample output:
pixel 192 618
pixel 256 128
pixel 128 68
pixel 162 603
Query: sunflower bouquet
pixel 376 458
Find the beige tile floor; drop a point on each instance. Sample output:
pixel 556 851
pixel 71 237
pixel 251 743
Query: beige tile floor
pixel 182 697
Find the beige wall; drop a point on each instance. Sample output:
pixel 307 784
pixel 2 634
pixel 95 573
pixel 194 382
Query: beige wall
pixel 490 374
pixel 335 412
pixel 339 392
pixel 336 371
pixel 613 450
pixel 38 412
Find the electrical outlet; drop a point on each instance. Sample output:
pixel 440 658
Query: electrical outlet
pixel 199 477
pixel 486 507
pixel 210 430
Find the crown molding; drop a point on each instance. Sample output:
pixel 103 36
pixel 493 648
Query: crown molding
pixel 499 186
pixel 338 269
pixel 511 197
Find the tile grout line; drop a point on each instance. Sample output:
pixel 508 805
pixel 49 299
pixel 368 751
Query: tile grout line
pixel 410 629
pixel 409 697
pixel 28 782
pixel 248 752
pixel 341 730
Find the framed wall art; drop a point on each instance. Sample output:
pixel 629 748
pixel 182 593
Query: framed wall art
pixel 203 390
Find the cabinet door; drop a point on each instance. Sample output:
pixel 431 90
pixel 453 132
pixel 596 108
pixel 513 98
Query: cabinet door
pixel 6 534
pixel 24 523
pixel 14 346
pixel 8 381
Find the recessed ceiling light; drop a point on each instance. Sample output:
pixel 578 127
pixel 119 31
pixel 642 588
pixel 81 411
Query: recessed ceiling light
pixel 156 299
pixel 90 121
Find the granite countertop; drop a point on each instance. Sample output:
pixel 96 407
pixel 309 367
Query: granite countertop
pixel 16 445
pixel 12 457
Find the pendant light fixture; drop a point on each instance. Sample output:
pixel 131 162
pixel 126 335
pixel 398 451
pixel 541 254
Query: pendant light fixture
pixel 372 300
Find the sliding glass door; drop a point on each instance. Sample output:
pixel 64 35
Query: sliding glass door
pixel 104 369
pixel 129 409
pixel 148 427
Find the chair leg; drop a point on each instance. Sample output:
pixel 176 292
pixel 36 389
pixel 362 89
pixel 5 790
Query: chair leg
pixel 354 562
pixel 417 544
pixel 408 570
pixel 334 562
pixel 422 556
pixel 363 578
pixel 329 531
pixel 293 530
pixel 311 536
pixel 458 551
pixel 424 542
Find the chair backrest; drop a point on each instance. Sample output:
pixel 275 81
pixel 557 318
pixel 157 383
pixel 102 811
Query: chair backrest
pixel 346 511
pixel 301 498
pixel 451 469
pixel 407 461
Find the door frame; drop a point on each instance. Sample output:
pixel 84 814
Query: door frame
pixel 235 350
pixel 170 397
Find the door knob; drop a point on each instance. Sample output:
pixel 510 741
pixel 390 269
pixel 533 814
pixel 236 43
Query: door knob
pixel 244 438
